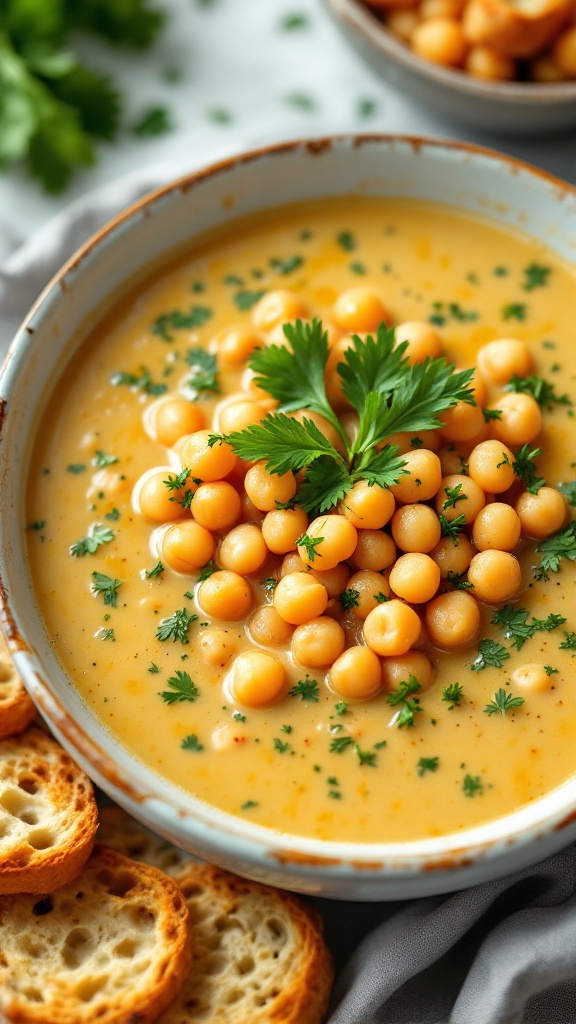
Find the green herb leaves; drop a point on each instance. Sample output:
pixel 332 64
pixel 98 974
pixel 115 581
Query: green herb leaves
pixel 490 653
pixel 107 587
pixel 503 702
pixel 408 705
pixel 181 689
pixel 175 627
pixel 88 545
pixel 560 545
pixel 388 394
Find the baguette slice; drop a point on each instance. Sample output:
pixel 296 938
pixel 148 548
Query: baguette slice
pixel 121 832
pixel 16 708
pixel 48 814
pixel 259 955
pixel 112 947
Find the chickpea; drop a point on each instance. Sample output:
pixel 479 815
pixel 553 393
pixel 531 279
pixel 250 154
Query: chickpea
pixel 490 466
pixel 495 576
pixel 402 23
pixel 216 646
pixel 423 341
pixel 187 546
pixel 467 502
pixel 453 555
pixel 172 417
pixel 225 595
pixel 440 40
pixel 541 514
pixel 453 460
pixel 216 506
pixel 564 53
pixel 415 577
pixel 398 670
pixel 268 628
pixel 416 528
pixel 264 489
pixel 243 550
pixel 278 307
pixel 318 643
pixel 452 620
pixel 484 62
pixel 440 9
pixel 282 527
pixel 392 628
pixel 532 677
pixel 521 419
pixel 496 526
pixel 370 507
pixel 293 563
pixel 228 737
pixel 335 580
pixel 299 598
pixel 157 502
pixel 258 679
pixel 375 550
pixel 462 422
pixel 499 360
pixel 336 537
pixel 206 463
pixel 237 415
pixel 249 513
pixel 234 345
pixel 372 589
pixel 360 309
pixel 422 477
pixel 357 674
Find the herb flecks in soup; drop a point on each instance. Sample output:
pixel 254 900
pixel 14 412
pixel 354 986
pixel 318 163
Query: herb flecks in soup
pixel 301 530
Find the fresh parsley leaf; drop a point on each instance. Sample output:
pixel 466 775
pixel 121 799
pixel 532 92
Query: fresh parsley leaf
pixel 152 121
pixel 491 414
pixel 207 571
pixel 280 746
pixel 175 627
pixel 569 643
pixel 408 705
pixel 451 527
pixel 541 390
pixel 76 468
pixel 153 669
pixel 514 311
pixel 550 671
pixel 560 545
pixel 525 469
pixel 427 764
pixel 158 569
pixel 141 381
pixel 349 599
pixel 306 689
pixel 245 299
pixel 551 622
pixel 310 544
pixel 107 586
pixel 453 495
pixel 347 241
pixel 380 598
pixel 340 744
pixel 452 694
pixel 105 634
pixel 515 624
pixel 457 579
pixel 341 708
pixel 176 320
pixel 88 545
pixel 503 702
pixel 101 459
pixel 191 742
pixel 181 689
pixel 535 276
pixel 472 785
pixel 286 266
pixel 365 757
pixel 204 371
pixel 283 442
pixel 489 653
pixel 569 491
pixel 269 584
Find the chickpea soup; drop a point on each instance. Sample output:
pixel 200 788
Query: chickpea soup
pixel 300 526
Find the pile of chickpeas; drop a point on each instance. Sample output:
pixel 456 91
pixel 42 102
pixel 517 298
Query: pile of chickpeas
pixel 384 547
pixel 489 39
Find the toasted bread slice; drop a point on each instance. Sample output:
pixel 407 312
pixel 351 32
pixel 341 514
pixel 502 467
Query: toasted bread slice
pixel 259 955
pixel 121 832
pixel 16 708
pixel 515 28
pixel 112 947
pixel 48 814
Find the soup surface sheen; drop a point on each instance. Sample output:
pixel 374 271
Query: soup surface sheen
pixel 457 765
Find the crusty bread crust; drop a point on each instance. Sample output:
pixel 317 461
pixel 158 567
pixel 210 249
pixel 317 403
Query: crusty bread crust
pixel 515 29
pixel 260 957
pixel 112 947
pixel 16 708
pixel 48 814
pixel 121 832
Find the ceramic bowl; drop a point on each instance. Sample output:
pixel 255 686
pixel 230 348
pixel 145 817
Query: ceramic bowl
pixel 510 108
pixel 469 178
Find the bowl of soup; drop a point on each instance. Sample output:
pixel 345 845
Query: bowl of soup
pixel 287 542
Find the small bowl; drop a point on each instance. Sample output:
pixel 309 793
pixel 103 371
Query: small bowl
pixel 471 179
pixel 513 108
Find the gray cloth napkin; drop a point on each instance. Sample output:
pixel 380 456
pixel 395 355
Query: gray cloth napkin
pixel 501 953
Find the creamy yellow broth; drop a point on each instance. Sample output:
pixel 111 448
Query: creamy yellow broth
pixel 420 259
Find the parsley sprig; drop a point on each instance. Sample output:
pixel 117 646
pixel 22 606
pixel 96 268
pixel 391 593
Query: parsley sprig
pixel 181 689
pixel 95 537
pixel 503 702
pixel 402 698
pixel 175 627
pixel 560 545
pixel 388 394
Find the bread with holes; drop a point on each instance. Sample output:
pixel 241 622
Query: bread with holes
pixel 48 814
pixel 515 28
pixel 16 708
pixel 121 832
pixel 111 947
pixel 259 954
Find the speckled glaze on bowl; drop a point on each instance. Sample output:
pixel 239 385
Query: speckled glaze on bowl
pixel 469 178
pixel 506 108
